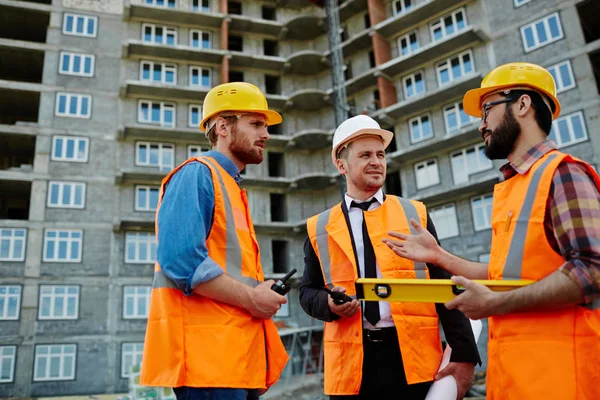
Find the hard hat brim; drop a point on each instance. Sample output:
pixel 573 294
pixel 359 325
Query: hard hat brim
pixel 386 136
pixel 474 97
pixel 273 117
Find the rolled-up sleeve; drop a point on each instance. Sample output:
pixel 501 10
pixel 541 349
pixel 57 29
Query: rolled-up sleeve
pixel 184 221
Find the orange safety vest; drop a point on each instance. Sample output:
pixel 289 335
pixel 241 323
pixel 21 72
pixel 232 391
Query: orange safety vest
pixel 199 342
pixel 416 323
pixel 550 354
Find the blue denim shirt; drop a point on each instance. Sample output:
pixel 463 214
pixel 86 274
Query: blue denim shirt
pixel 185 218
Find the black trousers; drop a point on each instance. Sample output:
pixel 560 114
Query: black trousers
pixel 383 371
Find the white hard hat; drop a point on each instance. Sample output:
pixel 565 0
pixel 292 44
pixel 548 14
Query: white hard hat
pixel 355 127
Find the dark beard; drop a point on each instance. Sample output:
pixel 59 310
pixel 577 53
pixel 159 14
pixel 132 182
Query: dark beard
pixel 503 139
pixel 241 150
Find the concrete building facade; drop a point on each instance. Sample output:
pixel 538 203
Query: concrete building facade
pixel 100 99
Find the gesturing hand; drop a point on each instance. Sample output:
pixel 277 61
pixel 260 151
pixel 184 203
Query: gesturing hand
pixel 421 247
pixel 343 310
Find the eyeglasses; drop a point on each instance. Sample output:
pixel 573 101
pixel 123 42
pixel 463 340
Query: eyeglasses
pixel 485 108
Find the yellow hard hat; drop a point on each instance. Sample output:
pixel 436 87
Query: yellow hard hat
pixel 512 76
pixel 237 96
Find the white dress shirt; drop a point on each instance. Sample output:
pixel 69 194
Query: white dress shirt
pixel 355 215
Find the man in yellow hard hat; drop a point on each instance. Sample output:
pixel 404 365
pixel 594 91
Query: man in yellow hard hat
pixel 544 339
pixel 210 333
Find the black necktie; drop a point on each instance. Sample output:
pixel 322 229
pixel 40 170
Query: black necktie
pixel 371 307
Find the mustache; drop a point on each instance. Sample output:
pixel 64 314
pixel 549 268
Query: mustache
pixel 486 131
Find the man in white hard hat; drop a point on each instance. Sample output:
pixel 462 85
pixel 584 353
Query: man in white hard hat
pixel 388 349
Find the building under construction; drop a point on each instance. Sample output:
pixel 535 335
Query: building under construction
pixel 100 99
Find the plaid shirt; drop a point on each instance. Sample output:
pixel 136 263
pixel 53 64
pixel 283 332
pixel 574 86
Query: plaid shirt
pixel 572 220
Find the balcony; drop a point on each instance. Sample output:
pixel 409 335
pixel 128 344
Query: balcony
pixel 161 91
pixel 422 12
pixel 356 43
pixel 20 20
pixel 468 36
pixel 307 62
pixel 474 187
pixel 19 105
pixel 440 95
pixel 467 134
pixel 244 24
pixel 304 27
pixel 311 139
pixel 139 12
pixel 350 8
pixel 15 194
pixel 276 101
pixel 132 225
pixel 247 60
pixel 152 177
pixel 308 100
pixel 360 82
pixel 153 132
pixel 314 181
pixel 21 61
pixel 280 228
pixel 137 49
pixel 16 152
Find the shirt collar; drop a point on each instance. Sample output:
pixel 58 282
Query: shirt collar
pixel 522 164
pixel 226 163
pixel 378 196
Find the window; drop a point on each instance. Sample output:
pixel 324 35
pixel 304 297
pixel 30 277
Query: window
pixel 194 151
pixel 157 112
pixel 54 362
pixel 270 47
pixel 195 115
pixel 7 363
pixel 58 302
pixel 76 64
pixel 519 3
pixel 62 245
pixel 235 43
pixel 158 72
pixel 159 34
pixel 481 207
pixel 568 129
pixel 414 85
pixel 484 258
pixel 268 13
pixel 407 44
pixel 402 6
pixel 444 219
pixel 200 39
pixel 200 76
pixel 420 128
pixel 278 210
pixel 140 248
pixel 541 32
pixel 10 302
pixel 427 174
pixel 66 195
pixel 79 25
pixel 155 155
pixel 201 5
pixel 455 67
pixel 469 161
pixel 136 301
pixel 146 198
pixel 161 3
pixel 73 105
pixel 131 355
pixel 456 118
pixel 280 256
pixel 234 7
pixel 563 76
pixel 448 25
pixel 72 149
pixel 12 244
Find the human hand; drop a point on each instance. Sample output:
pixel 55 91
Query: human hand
pixel 477 301
pixel 264 302
pixel 462 373
pixel 343 310
pixel 421 247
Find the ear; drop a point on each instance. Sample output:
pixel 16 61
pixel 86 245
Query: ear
pixel 340 164
pixel 523 105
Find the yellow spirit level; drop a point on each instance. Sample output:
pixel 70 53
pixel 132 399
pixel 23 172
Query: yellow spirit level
pixel 423 290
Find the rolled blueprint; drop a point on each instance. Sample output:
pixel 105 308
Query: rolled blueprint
pixel 446 388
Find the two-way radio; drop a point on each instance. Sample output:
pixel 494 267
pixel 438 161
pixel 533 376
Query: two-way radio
pixel 281 286
pixel 338 297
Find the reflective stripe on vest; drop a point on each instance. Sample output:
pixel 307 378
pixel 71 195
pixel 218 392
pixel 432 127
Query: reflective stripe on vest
pixel 233 254
pixel 323 246
pixel 514 260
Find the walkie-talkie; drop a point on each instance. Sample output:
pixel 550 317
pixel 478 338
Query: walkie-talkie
pixel 281 285
pixel 338 297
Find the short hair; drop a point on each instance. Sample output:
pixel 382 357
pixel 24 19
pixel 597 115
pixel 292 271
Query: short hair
pixel 212 132
pixel 343 152
pixel 543 114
